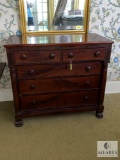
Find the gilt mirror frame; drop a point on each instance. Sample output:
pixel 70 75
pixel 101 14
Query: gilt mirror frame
pixel 25 31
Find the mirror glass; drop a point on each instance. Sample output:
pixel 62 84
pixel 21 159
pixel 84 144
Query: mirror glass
pixel 51 15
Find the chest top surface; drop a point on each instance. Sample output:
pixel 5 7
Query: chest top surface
pixel 63 40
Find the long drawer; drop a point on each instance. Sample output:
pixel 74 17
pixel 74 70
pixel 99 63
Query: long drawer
pixel 58 84
pixel 59 100
pixel 59 70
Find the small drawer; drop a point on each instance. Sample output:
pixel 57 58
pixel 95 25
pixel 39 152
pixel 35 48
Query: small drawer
pixel 37 56
pixel 84 54
pixel 58 84
pixel 60 100
pixel 58 70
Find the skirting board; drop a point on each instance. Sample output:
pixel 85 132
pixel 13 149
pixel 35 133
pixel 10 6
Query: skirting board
pixel 6 95
pixel 111 87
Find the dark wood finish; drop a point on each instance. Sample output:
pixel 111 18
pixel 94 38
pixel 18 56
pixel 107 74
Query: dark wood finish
pixel 60 76
pixel 57 70
pixel 2 66
pixel 45 85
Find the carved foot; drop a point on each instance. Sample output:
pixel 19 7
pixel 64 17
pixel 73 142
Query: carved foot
pixel 18 122
pixel 99 115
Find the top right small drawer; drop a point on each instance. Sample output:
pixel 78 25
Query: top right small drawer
pixel 84 54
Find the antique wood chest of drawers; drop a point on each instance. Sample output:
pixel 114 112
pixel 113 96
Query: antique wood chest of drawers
pixel 58 74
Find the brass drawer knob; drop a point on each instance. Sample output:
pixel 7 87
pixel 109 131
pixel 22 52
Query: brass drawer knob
pixel 88 68
pixel 97 54
pixel 31 72
pixel 70 55
pixel 23 57
pixel 32 86
pixel 52 56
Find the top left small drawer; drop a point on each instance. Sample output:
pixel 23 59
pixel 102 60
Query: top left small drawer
pixel 37 56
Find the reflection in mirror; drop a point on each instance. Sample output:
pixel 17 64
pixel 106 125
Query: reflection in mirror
pixel 49 15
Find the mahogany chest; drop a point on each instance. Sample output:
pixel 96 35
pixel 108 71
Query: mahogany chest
pixel 58 74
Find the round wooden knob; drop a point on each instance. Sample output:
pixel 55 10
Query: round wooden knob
pixel 70 55
pixel 97 54
pixel 86 98
pixel 87 83
pixel 32 86
pixel 88 68
pixel 23 57
pixel 52 56
pixel 31 72
pixel 34 102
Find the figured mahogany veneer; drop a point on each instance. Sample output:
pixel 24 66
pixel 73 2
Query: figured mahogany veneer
pixel 58 76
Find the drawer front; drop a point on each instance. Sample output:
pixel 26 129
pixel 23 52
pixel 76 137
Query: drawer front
pixel 59 100
pixel 58 84
pixel 38 56
pixel 84 54
pixel 59 70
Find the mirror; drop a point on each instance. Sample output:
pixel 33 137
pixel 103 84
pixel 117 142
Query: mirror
pixel 53 16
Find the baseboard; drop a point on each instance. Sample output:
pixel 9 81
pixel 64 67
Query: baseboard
pixel 6 95
pixel 111 87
